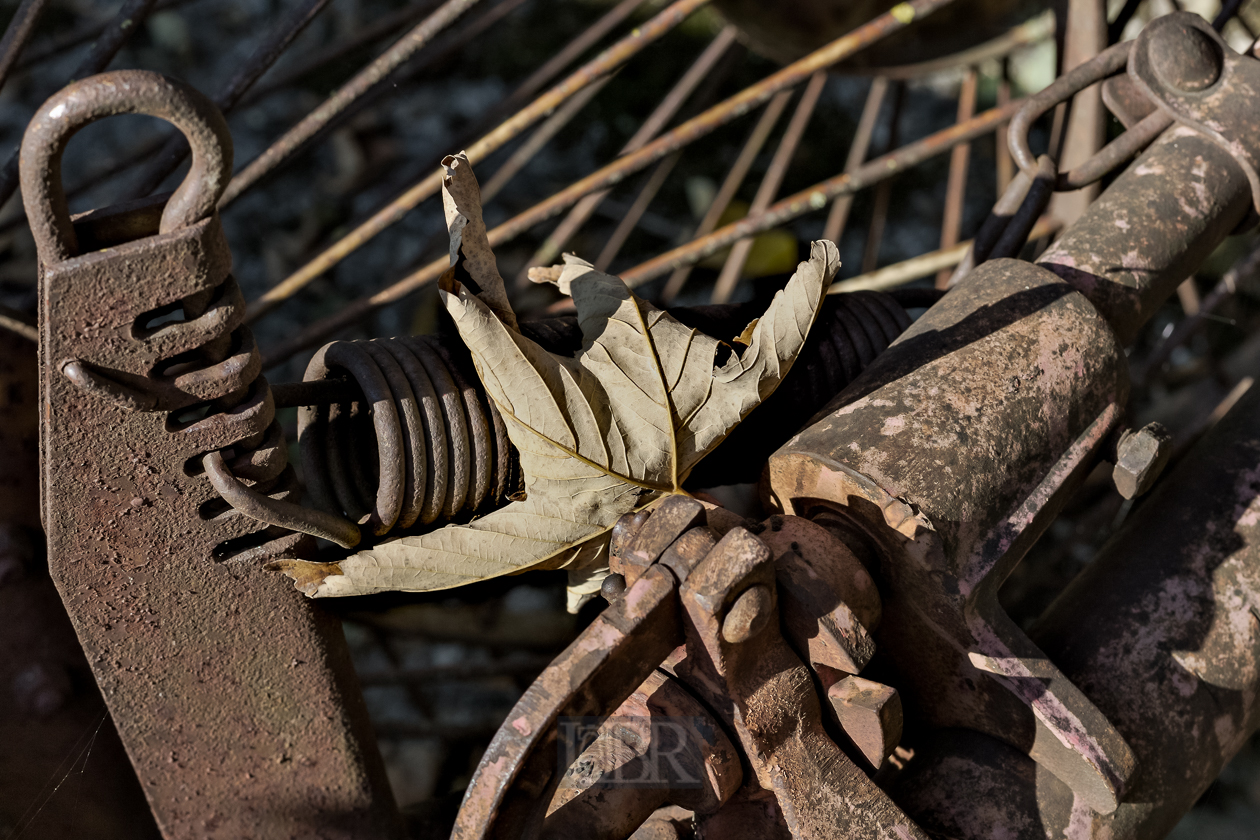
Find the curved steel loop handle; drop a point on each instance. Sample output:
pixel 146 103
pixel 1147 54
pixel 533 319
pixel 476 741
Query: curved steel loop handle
pixel 104 95
pixel 1107 63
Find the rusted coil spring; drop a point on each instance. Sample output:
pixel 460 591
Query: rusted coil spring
pixel 398 433
pixel 438 446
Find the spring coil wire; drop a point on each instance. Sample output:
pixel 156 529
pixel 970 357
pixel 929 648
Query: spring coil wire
pixel 425 445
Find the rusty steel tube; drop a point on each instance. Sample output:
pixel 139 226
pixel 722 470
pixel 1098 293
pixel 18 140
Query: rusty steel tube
pixel 1156 223
pixel 1160 632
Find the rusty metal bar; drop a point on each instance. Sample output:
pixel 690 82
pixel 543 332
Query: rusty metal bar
pixel 730 185
pixel 798 204
pixel 374 31
pixel 1005 165
pixel 45 49
pixel 665 111
pixel 838 216
pixel 403 49
pixel 883 193
pixel 18 324
pixel 1025 34
pixel 637 208
pixel 111 40
pixel 17 34
pixel 541 137
pixel 175 149
pixel 924 265
pixel 733 268
pixel 527 89
pixel 607 61
pixel 956 187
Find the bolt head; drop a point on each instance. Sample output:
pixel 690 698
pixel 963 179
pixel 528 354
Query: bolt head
pixel 1186 58
pixel 748 615
pixel 1140 458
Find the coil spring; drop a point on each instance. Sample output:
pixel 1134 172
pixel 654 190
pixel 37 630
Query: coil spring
pixel 430 447
pixel 415 440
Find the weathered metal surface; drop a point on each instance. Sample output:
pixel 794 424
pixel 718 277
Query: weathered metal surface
pixel 1140 458
pixel 763 692
pixel 953 452
pixel 1160 631
pixel 234 696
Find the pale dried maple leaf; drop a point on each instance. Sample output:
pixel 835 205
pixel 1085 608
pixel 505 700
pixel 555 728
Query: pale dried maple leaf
pixel 599 434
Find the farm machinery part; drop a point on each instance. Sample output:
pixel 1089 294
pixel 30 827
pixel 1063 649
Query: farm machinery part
pixel 790 647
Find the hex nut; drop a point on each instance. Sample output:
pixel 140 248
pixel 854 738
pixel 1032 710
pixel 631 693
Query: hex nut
pixel 1140 458
pixel 870 714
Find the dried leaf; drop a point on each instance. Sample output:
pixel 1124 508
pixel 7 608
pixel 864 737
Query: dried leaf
pixel 470 245
pixel 599 434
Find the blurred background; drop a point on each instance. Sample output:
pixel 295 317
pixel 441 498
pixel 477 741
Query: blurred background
pixel 440 671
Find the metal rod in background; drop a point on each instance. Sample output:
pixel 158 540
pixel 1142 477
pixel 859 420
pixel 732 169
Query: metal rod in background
pixel 17 34
pixel 50 47
pixel 637 208
pixel 295 138
pixel 883 193
pixel 607 61
pixel 535 82
pixel 956 186
pixel 111 40
pixel 374 31
pixel 733 268
pixel 175 149
pixel 731 184
pixel 807 200
pixel 541 137
pixel 1005 165
pixel 838 216
pixel 665 111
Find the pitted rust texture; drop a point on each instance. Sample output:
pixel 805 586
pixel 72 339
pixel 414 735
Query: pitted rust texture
pixel 234 696
pixel 1156 223
pixel 952 451
pixel 1161 632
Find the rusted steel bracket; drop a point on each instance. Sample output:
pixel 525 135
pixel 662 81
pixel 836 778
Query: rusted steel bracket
pixel 234 697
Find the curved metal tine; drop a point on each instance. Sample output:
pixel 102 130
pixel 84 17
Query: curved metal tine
pixel 731 184
pixel 959 163
pixel 607 61
pixel 665 111
pixel 733 268
pixel 993 226
pixel 883 193
pixel 838 216
pixel 295 138
pixel 793 206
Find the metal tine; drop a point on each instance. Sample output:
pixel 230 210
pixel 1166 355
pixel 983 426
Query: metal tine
pixel 733 268
pixel 372 32
pixel 527 89
pixel 651 127
pixel 17 34
pixel 640 205
pixel 295 138
pixel 956 186
pixel 607 61
pixel 838 216
pixel 175 149
pixel 798 204
pixel 51 47
pixel 111 40
pixel 541 137
pixel 1005 164
pixel 883 195
pixel 734 179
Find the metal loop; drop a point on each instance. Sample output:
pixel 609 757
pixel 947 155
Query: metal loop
pixel 1107 63
pixel 104 95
